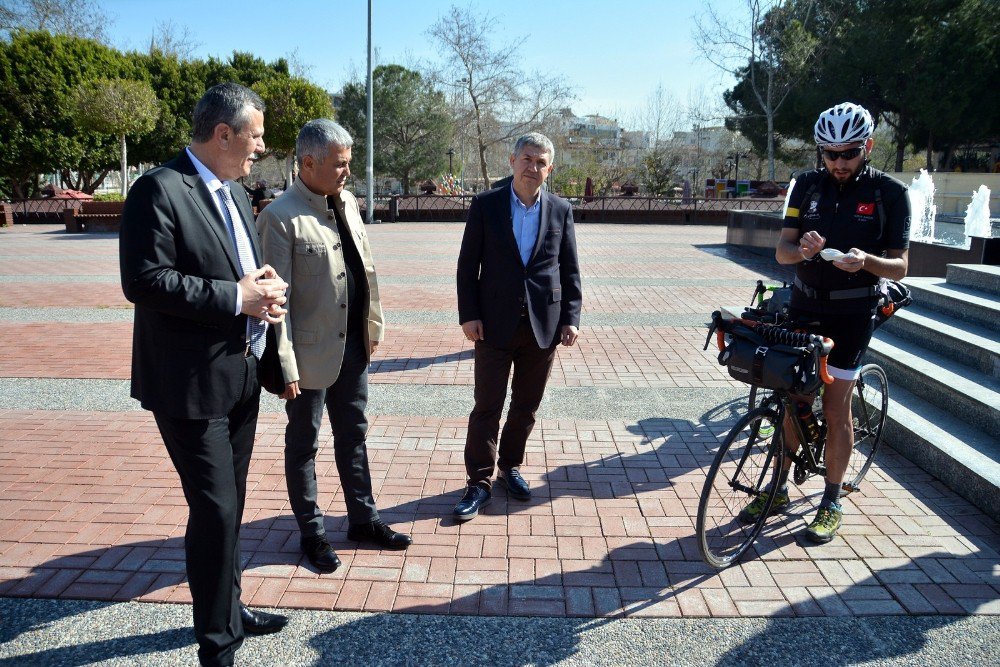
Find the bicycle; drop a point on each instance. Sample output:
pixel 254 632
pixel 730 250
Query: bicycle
pixel 747 463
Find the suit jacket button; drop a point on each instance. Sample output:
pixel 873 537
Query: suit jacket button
pixel 343 335
pixel 341 275
pixel 343 305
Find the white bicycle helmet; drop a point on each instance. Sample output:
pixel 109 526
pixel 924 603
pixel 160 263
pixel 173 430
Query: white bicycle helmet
pixel 843 124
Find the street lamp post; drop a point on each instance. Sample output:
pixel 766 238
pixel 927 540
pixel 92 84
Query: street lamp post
pixel 370 148
pixel 735 157
pixel 451 153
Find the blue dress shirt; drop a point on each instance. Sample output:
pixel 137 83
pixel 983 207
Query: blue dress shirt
pixel 526 221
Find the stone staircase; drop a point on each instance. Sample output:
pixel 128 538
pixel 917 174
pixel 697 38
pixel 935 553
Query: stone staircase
pixel 942 358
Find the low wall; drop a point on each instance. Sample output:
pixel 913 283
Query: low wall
pixel 759 232
pixel 930 259
pixel 754 230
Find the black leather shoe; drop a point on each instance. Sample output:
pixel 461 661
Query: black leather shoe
pixel 320 553
pixel 379 533
pixel 475 498
pixel 517 488
pixel 260 622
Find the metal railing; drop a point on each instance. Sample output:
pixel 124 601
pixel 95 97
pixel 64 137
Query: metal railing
pixel 415 208
pixel 39 210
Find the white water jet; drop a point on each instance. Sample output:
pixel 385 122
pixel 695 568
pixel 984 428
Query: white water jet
pixel 922 207
pixel 977 214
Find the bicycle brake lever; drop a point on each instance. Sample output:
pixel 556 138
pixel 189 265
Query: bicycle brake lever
pixel 711 328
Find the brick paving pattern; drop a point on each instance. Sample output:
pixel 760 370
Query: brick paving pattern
pixel 90 506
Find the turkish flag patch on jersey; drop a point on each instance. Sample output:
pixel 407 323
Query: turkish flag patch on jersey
pixel 865 208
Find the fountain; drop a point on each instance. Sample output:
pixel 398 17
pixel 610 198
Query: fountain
pixel 938 240
pixel 923 210
pixel 977 214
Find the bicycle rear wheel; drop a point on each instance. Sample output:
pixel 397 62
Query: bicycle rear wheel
pixel 747 460
pixel 869 406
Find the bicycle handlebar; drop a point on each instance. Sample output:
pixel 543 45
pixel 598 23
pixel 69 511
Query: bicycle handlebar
pixel 777 335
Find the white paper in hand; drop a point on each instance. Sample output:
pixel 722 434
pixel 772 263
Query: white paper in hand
pixel 832 254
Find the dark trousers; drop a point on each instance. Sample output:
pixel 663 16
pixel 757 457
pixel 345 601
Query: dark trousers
pixel 345 401
pixel 212 457
pixel 532 365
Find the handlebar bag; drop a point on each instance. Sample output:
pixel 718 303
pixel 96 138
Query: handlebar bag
pixel 749 358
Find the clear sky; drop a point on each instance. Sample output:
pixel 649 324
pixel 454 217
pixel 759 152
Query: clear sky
pixel 613 54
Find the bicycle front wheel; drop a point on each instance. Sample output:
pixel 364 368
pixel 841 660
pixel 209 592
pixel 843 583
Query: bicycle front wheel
pixel 868 408
pixel 738 477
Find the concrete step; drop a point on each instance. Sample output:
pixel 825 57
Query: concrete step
pixel 965 392
pixel 966 459
pixel 982 277
pixel 962 303
pixel 968 344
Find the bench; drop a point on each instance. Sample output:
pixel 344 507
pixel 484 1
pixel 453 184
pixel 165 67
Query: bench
pixel 94 216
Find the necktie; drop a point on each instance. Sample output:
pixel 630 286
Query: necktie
pixel 255 327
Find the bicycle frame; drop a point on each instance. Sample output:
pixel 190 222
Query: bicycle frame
pixel 806 455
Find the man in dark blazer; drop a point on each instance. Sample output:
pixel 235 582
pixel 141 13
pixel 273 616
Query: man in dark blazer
pixel 191 264
pixel 519 296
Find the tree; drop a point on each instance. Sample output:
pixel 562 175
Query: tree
pixel 291 102
pixel 80 18
pixel 943 40
pixel 658 171
pixel 38 134
pixel 771 49
pixel 413 128
pixel 504 102
pixel 178 84
pixel 244 68
pixel 118 107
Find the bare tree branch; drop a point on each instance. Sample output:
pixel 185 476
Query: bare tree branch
pixel 81 18
pixel 503 101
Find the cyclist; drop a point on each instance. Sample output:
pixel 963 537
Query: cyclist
pixel 849 206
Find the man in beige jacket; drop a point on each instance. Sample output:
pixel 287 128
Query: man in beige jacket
pixel 314 235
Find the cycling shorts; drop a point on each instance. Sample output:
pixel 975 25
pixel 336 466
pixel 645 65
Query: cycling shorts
pixel 850 333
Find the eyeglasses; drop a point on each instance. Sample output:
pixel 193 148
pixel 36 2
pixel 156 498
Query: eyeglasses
pixel 848 154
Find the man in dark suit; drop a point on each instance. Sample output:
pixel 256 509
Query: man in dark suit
pixel 519 296
pixel 190 262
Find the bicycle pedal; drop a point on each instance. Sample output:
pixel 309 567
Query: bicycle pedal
pixel 799 474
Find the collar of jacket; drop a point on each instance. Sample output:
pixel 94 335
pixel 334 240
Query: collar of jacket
pixel 318 202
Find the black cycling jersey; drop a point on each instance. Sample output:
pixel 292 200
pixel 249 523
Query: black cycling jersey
pixel 870 212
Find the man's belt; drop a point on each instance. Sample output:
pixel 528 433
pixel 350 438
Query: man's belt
pixel 836 294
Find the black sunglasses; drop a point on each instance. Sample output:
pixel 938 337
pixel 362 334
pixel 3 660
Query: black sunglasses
pixel 848 154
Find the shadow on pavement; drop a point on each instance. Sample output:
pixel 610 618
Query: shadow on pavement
pixel 416 363
pixel 762 263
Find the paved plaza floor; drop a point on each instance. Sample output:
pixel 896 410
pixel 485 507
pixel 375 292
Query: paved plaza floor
pixel 600 567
